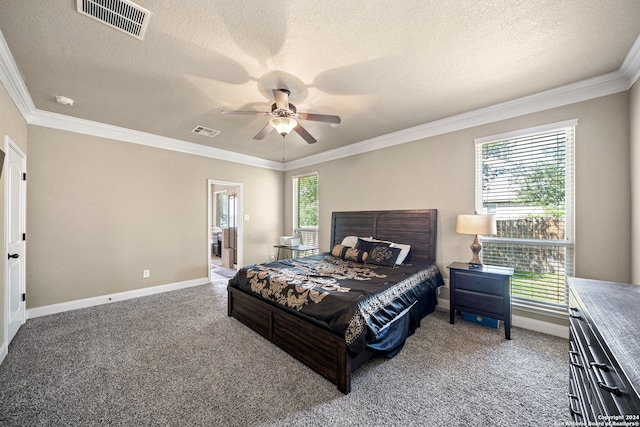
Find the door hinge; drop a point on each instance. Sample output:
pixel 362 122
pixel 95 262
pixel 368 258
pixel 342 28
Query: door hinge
pixel 24 297
pixel 24 176
pixel 24 236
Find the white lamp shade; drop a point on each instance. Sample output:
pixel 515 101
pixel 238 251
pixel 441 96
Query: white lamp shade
pixel 283 125
pixel 476 224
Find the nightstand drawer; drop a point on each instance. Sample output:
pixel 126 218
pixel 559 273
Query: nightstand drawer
pixel 486 284
pixel 491 304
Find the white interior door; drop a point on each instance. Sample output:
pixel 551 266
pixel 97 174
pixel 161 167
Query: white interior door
pixel 15 205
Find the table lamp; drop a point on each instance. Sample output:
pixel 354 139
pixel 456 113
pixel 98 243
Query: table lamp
pixel 476 224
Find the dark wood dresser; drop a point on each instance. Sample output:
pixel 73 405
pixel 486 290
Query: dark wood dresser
pixel 604 353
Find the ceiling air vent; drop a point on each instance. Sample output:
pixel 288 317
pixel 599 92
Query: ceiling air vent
pixel 201 130
pixel 122 15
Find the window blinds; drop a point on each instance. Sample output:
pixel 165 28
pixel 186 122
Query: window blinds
pixel 526 180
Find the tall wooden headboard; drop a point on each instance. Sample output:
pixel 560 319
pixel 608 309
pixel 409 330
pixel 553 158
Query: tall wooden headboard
pixel 417 228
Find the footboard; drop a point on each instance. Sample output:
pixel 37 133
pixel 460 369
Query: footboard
pixel 316 347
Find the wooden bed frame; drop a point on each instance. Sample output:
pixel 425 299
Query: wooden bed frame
pixel 312 343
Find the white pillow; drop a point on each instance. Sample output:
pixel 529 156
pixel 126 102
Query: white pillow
pixel 350 241
pixel 404 249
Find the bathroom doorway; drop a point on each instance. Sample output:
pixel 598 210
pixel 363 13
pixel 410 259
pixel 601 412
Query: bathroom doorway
pixel 224 228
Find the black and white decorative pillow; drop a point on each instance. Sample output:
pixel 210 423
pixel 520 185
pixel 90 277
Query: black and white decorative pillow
pixel 367 245
pixel 382 254
pixel 349 254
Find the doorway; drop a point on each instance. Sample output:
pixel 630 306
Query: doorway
pixel 224 229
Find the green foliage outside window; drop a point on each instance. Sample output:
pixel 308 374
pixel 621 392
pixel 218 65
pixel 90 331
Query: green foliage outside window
pixel 308 201
pixel 537 179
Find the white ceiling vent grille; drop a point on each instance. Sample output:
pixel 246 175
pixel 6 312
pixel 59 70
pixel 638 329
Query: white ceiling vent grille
pixel 201 130
pixel 122 15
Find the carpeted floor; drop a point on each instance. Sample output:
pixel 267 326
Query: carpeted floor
pixel 176 359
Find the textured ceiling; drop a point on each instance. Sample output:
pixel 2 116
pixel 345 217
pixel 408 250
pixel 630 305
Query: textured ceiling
pixel 381 66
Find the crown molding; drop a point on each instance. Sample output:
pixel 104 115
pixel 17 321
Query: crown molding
pixel 596 87
pixel 13 82
pixel 88 127
pixel 607 84
pixel 631 65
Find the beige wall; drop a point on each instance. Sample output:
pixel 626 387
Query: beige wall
pixel 634 108
pixel 438 172
pixel 13 125
pixel 101 211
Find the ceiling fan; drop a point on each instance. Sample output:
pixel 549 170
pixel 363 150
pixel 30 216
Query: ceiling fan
pixel 284 117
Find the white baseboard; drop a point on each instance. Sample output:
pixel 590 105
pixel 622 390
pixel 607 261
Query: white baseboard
pixel 106 299
pixel 4 350
pixel 443 304
pixel 541 326
pixel 525 323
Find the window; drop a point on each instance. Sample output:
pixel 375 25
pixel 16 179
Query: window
pixel 305 208
pixel 526 179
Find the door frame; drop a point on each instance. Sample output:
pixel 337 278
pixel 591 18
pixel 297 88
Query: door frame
pixel 10 145
pixel 239 220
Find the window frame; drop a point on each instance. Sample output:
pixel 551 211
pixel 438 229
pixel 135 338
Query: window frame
pixel 569 241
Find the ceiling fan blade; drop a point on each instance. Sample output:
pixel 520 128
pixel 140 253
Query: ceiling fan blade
pixel 320 118
pixel 304 134
pixel 259 113
pixel 282 98
pixel 264 132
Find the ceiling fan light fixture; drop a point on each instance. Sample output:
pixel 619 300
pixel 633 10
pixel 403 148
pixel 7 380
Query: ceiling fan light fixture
pixel 284 125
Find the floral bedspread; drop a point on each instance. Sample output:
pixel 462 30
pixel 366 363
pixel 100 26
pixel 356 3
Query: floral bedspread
pixel 354 299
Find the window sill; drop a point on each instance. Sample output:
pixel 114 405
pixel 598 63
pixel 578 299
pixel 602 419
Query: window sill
pixel 558 313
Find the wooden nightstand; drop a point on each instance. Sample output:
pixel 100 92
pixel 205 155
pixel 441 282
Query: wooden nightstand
pixel 484 291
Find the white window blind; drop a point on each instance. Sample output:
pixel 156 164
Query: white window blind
pixel 305 208
pixel 526 180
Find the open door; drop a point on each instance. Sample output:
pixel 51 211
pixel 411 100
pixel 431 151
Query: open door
pixel 15 235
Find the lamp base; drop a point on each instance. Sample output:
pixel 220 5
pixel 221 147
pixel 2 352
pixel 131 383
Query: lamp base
pixel 475 265
pixel 476 247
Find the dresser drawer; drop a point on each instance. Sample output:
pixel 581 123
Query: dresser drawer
pixel 611 389
pixel 486 284
pixel 477 302
pixel 579 320
pixel 580 375
pixel 578 402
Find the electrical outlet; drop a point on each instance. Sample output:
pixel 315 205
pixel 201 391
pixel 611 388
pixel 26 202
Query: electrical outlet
pixel 273 256
pixel 146 273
